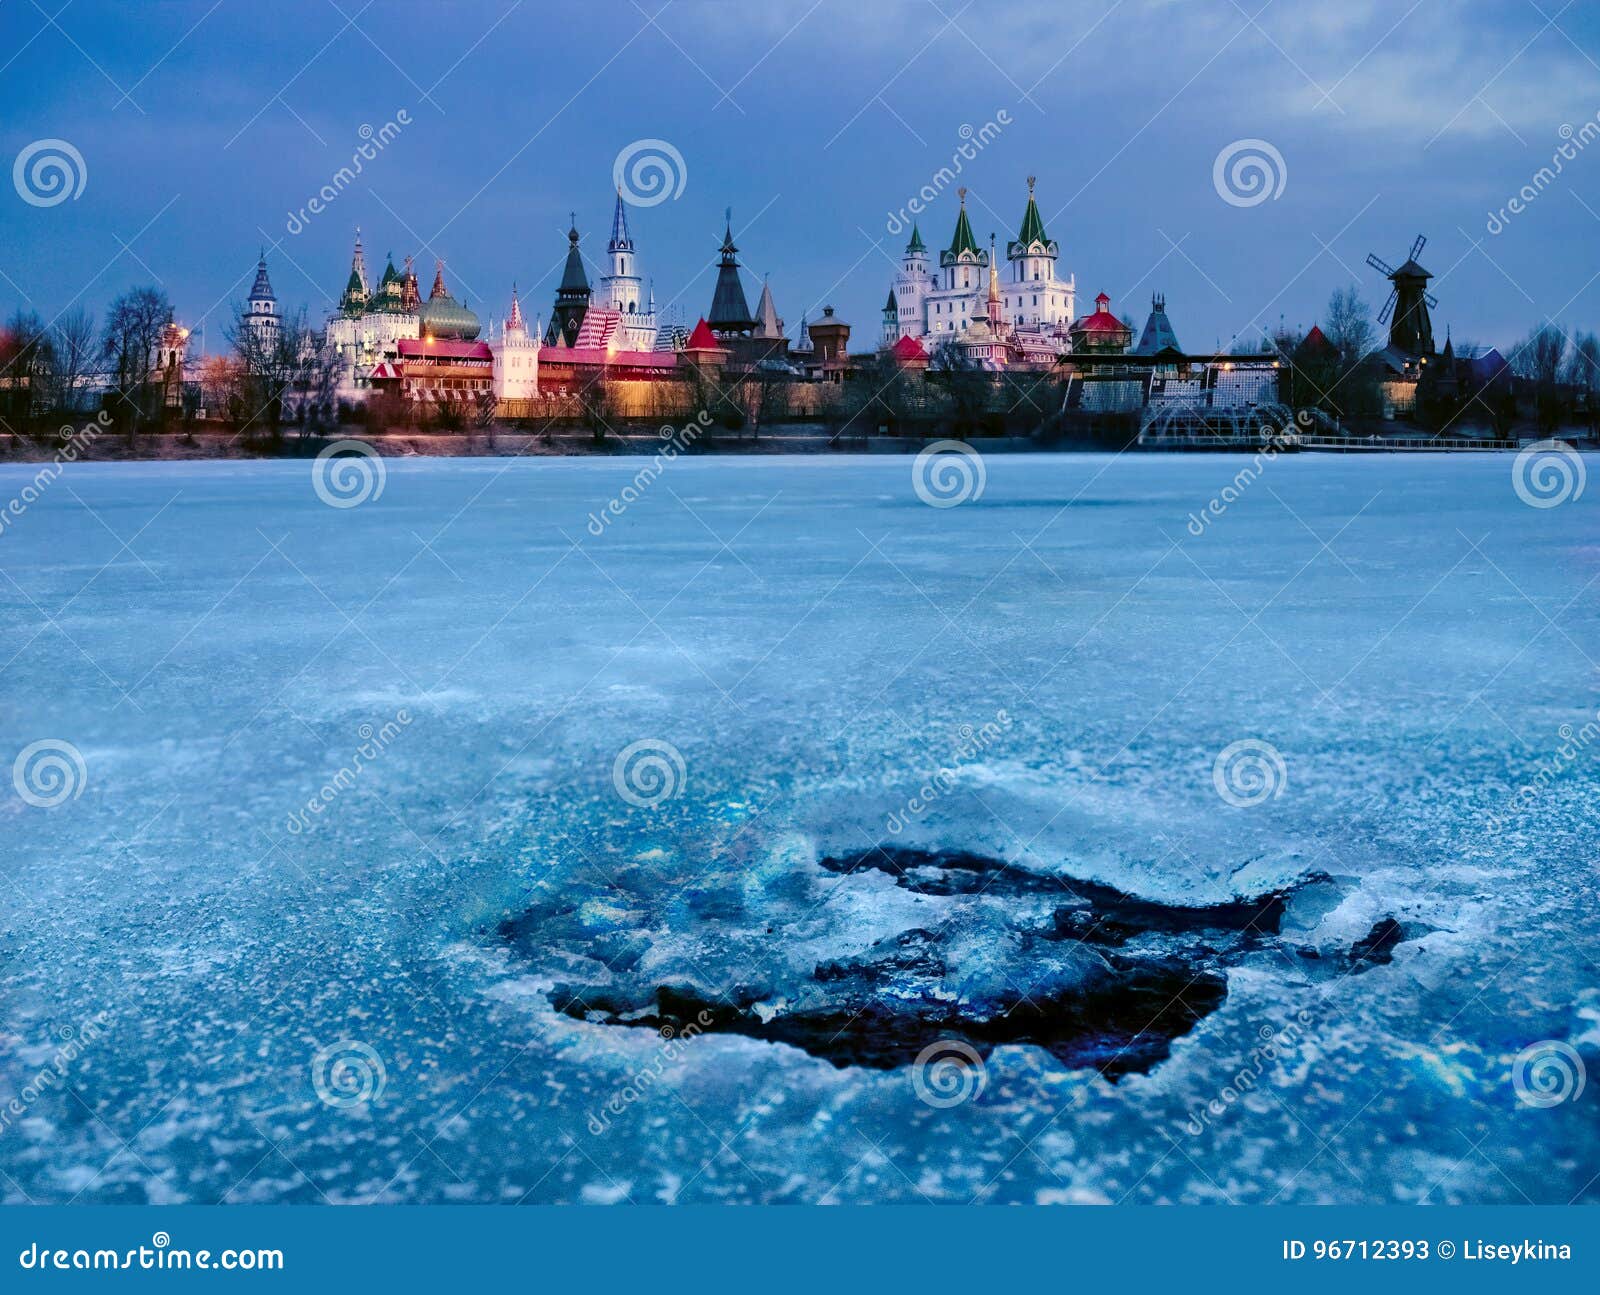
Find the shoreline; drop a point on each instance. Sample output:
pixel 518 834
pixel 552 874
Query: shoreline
pixel 160 447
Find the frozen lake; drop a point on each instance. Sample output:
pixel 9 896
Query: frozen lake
pixel 450 979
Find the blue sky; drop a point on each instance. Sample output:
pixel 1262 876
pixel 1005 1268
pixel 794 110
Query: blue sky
pixel 202 128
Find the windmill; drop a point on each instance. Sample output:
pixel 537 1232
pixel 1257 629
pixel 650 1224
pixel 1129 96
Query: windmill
pixel 1406 311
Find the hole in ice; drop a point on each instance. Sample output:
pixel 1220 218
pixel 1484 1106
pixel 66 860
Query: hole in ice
pixel 1110 982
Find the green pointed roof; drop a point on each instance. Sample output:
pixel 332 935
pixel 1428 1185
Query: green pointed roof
pixel 891 307
pixel 389 275
pixel 1032 224
pixel 963 241
pixel 916 244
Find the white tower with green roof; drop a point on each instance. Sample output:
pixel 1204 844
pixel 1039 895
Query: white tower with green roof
pixel 937 305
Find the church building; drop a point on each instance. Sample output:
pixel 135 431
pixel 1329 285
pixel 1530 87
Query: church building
pixel 1036 304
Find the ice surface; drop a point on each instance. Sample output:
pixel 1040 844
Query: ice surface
pixel 1058 662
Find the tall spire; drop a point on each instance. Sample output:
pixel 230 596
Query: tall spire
pixel 353 300
pixel 516 311
pixel 767 322
pixel 572 294
pixel 1032 223
pixel 438 289
pixel 916 245
pixel 995 307
pixel 620 239
pixel 358 263
pixel 410 294
pixel 963 241
pixel 730 309
pixel 262 289
pixel 573 278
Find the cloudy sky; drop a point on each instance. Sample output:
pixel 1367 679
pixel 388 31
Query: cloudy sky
pixel 205 130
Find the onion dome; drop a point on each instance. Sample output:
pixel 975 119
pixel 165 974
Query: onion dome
pixel 442 316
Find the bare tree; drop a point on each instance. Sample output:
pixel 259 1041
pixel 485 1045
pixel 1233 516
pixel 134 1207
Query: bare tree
pixel 73 341
pixel 283 373
pixel 129 343
pixel 1539 359
pixel 1583 373
pixel 1349 324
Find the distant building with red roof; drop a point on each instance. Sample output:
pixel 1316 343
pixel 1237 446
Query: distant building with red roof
pixel 1101 332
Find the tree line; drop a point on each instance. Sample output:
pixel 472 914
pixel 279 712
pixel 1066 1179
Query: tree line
pixel 52 372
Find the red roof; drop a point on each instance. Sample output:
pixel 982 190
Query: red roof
pixel 908 348
pixel 442 349
pixel 1316 340
pixel 1102 321
pixel 703 339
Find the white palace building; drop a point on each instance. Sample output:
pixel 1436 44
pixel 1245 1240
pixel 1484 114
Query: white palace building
pixel 1037 304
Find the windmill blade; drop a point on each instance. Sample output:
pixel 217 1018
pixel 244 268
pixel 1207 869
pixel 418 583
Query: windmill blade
pixel 1416 248
pixel 1379 264
pixel 1433 301
pixel 1388 308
